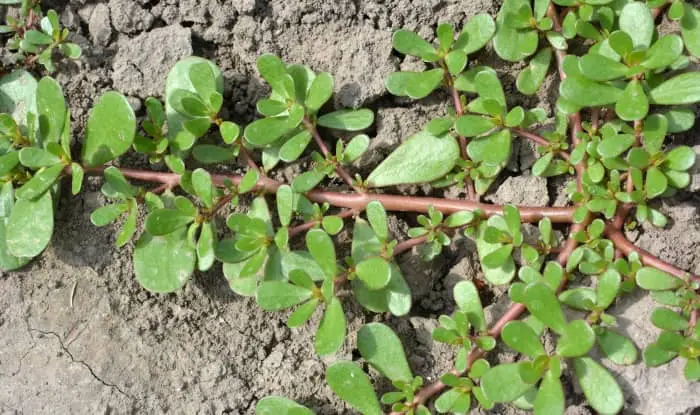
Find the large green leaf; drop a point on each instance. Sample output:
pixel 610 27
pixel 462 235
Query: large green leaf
pixel 51 108
pixel 542 303
pixel 279 295
pixel 587 93
pixel 347 120
pixel 550 396
pixel 503 273
pixel 30 226
pixel 331 331
pixel 520 337
pixel 690 29
pixel 601 68
pixel 493 149
pixel 277 405
pixel 600 388
pixel 18 95
pixel 637 22
pixel 381 347
pixel 681 89
pixel 8 262
pixel 513 44
pixel 477 32
pixel 40 182
pixel 420 159
pixel 503 383
pixel 467 298
pixel 652 279
pixel 352 385
pixel 110 129
pixel 179 79
pixel 577 340
pixel 415 85
pixel 163 264
pixel 616 347
pixel 664 52
pixel 531 78
pixel 633 104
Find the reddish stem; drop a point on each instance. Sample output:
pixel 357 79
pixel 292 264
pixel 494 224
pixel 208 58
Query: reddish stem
pixel 408 244
pixel 296 230
pixel 539 140
pixel 339 170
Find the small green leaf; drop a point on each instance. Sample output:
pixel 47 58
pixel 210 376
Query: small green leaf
pixel 163 264
pixel 40 182
pixel 633 104
pixel 166 221
pixel 331 331
pixel 615 145
pixel 416 85
pixel 543 304
pixel 51 108
pixel 409 43
pixel 690 28
pixel 664 52
pixel 202 184
pixel 584 92
pixel 249 181
pixel 467 298
pixel 652 279
pixel 107 214
pixel 332 224
pixel 666 319
pixel 680 158
pixel 307 181
pixel 30 226
pixel 321 247
pixel 377 219
pixel 601 68
pixel 520 337
pixel 656 356
pixel 272 70
pixel 129 228
pixel 381 347
pixel 619 349
pixel 266 131
pixel 347 120
pixel 679 90
pixel 280 295
pixel 656 183
pixel 608 287
pixel 531 78
pixel 353 386
pixel 355 148
pixel 302 314
pixel 550 396
pixel 205 247
pixel 473 125
pixel 292 149
pixel 476 33
pixel 420 159
pixel 77 175
pixel 8 162
pixel 110 129
pixel 578 338
pixel 375 273
pixel 601 390
pixel 453 401
pixel 277 405
pixel 456 61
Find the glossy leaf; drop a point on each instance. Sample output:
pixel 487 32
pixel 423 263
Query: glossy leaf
pixel 503 383
pixel 619 349
pixel 347 120
pixel 40 182
pixel 637 22
pixel 266 131
pixel 163 264
pixel 577 339
pixel 690 29
pixel 280 295
pixel 51 108
pixel 543 304
pixel 331 331
pixel 531 78
pixel 667 319
pixel 467 298
pixel 681 89
pixel 652 279
pixel 409 43
pixel 521 337
pixel 584 92
pixel 321 247
pixel 633 104
pixel 601 390
pixel 416 85
pixel 277 405
pixel 375 273
pixel 477 32
pixel 550 396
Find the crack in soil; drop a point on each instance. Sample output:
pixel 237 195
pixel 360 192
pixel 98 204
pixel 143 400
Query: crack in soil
pixel 82 362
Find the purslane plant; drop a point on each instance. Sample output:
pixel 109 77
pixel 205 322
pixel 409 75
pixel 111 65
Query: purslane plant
pixel 617 104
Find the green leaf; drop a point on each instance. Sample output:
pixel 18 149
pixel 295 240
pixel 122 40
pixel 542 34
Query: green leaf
pixel 416 85
pixel 656 356
pixel 503 383
pixel 203 188
pixel 550 396
pixel 619 349
pixel 679 90
pixel 266 131
pixel 637 22
pixel 277 405
pixel 355 148
pixel 292 149
pixel 280 295
pixel 578 338
pixel 633 104
pixel 347 120
pixel 456 61
pixel 377 219
pixel 375 273
pixel 205 247
pixel 409 43
pixel 18 95
pixel 35 158
pixel 520 337
pixel 680 158
pixel 656 183
pixel 129 228
pixel 307 181
pixel 249 181
pixel 664 52
pixel 493 149
pixel 513 44
pixel 531 78
pixel 601 68
pixel 543 304
pixel 488 86
pixel 621 42
pixel 652 279
pixel 77 175
pixel 179 80
pixel 332 224
pixel 587 93
pixel 497 257
pixel 690 29
pixel 8 262
pixel 273 71
pixel 107 214
pixel 453 401
pixel 40 182
pixel 331 331
pixel 163 264
pixel 8 162
pixel 285 204
pixel 666 319
pixel 320 91
pixel 601 390
pixel 615 145
pixel 692 369
pixel 352 385
pixel 381 347
pixel 608 287
pixel 166 221
pixel 211 154
pixel 51 108
pixel 30 226
pixel 420 159
pixel 110 129
pixel 504 273
pixel 321 247
pixel 476 33
pixel 302 314
pixel 467 298
pixel 473 125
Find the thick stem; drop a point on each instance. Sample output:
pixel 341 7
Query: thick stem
pixel 627 247
pixel 358 201
pixel 408 244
